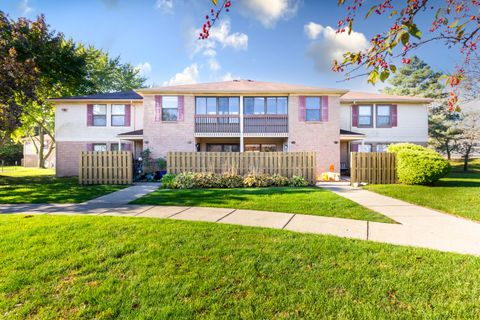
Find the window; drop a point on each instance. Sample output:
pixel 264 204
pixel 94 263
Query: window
pixel 260 147
pixel 220 106
pixel 382 147
pixel 364 148
pixel 313 109
pixel 169 108
pixel 384 116
pixel 100 115
pixel 265 105
pixel 114 147
pixel 118 114
pixel 365 118
pixel 223 147
pixel 100 147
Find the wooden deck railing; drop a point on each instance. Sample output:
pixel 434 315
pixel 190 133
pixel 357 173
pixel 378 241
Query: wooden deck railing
pixel 217 124
pixel 231 124
pixel 265 124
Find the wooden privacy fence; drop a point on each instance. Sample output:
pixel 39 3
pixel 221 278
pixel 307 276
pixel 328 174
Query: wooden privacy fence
pixel 373 167
pixel 113 167
pixel 287 164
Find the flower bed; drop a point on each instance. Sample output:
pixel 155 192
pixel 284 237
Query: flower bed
pixel 192 180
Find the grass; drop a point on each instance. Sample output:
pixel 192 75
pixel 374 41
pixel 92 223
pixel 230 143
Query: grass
pixel 458 193
pixel 312 201
pixel 32 185
pixel 139 268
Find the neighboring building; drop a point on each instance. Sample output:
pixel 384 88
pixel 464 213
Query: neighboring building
pixel 237 116
pixel 30 157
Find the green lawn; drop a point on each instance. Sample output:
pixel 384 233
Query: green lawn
pixel 312 201
pixel 458 193
pixel 31 185
pixel 138 268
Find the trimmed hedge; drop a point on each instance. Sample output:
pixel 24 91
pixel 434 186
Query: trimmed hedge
pixel 419 165
pixel 191 180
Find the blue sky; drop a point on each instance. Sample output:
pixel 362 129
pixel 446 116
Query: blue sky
pixel 267 40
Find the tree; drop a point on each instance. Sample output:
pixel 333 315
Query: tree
pixel 416 79
pixel 456 23
pixel 106 74
pixel 443 131
pixel 470 125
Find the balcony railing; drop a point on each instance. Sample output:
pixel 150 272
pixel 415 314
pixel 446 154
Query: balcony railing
pixel 274 124
pixel 217 124
pixel 265 123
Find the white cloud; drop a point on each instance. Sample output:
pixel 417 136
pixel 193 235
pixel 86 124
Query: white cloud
pixel 187 76
pixel 24 7
pixel 220 37
pixel 144 68
pixel 165 6
pixel 213 64
pixel 268 12
pixel 327 44
pixel 228 77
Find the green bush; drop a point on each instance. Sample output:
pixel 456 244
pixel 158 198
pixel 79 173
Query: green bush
pixel 11 153
pixel 231 180
pixel 253 180
pixel 185 180
pixel 297 181
pixel 394 148
pixel 168 181
pixel 280 181
pixel 418 165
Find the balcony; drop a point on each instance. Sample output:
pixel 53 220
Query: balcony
pixel 253 125
pixel 265 124
pixel 228 125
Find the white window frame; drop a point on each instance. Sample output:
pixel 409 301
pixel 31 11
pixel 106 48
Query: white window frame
pixel 168 104
pixel 98 115
pixel 115 114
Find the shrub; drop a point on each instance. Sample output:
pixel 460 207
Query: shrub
pixel 394 148
pixel 297 181
pixel 161 164
pixel 253 180
pixel 11 153
pixel 206 180
pixel 420 167
pixel 279 181
pixel 231 180
pixel 168 181
pixel 185 180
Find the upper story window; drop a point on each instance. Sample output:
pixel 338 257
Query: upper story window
pixel 313 107
pixel 169 108
pixel 217 105
pixel 265 105
pixel 384 116
pixel 100 115
pixel 118 114
pixel 365 116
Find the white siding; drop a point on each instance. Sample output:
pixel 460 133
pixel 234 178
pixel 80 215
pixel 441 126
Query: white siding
pixel 412 125
pixel 71 124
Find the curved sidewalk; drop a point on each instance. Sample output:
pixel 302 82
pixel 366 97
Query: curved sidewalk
pixel 418 226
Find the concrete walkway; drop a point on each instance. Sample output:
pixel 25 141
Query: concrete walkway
pixel 126 195
pixel 418 226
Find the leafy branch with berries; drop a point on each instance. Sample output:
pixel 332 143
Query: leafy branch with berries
pixel 212 18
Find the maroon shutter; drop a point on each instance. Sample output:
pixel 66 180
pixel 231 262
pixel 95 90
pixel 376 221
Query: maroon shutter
pixel 181 107
pixel 394 115
pixel 89 146
pixel 302 109
pixel 89 115
pixel 158 108
pixel 128 115
pixel 354 115
pixel 325 108
pixel 354 148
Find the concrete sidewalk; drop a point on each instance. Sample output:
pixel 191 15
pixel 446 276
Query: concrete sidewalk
pixel 126 195
pixel 418 226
